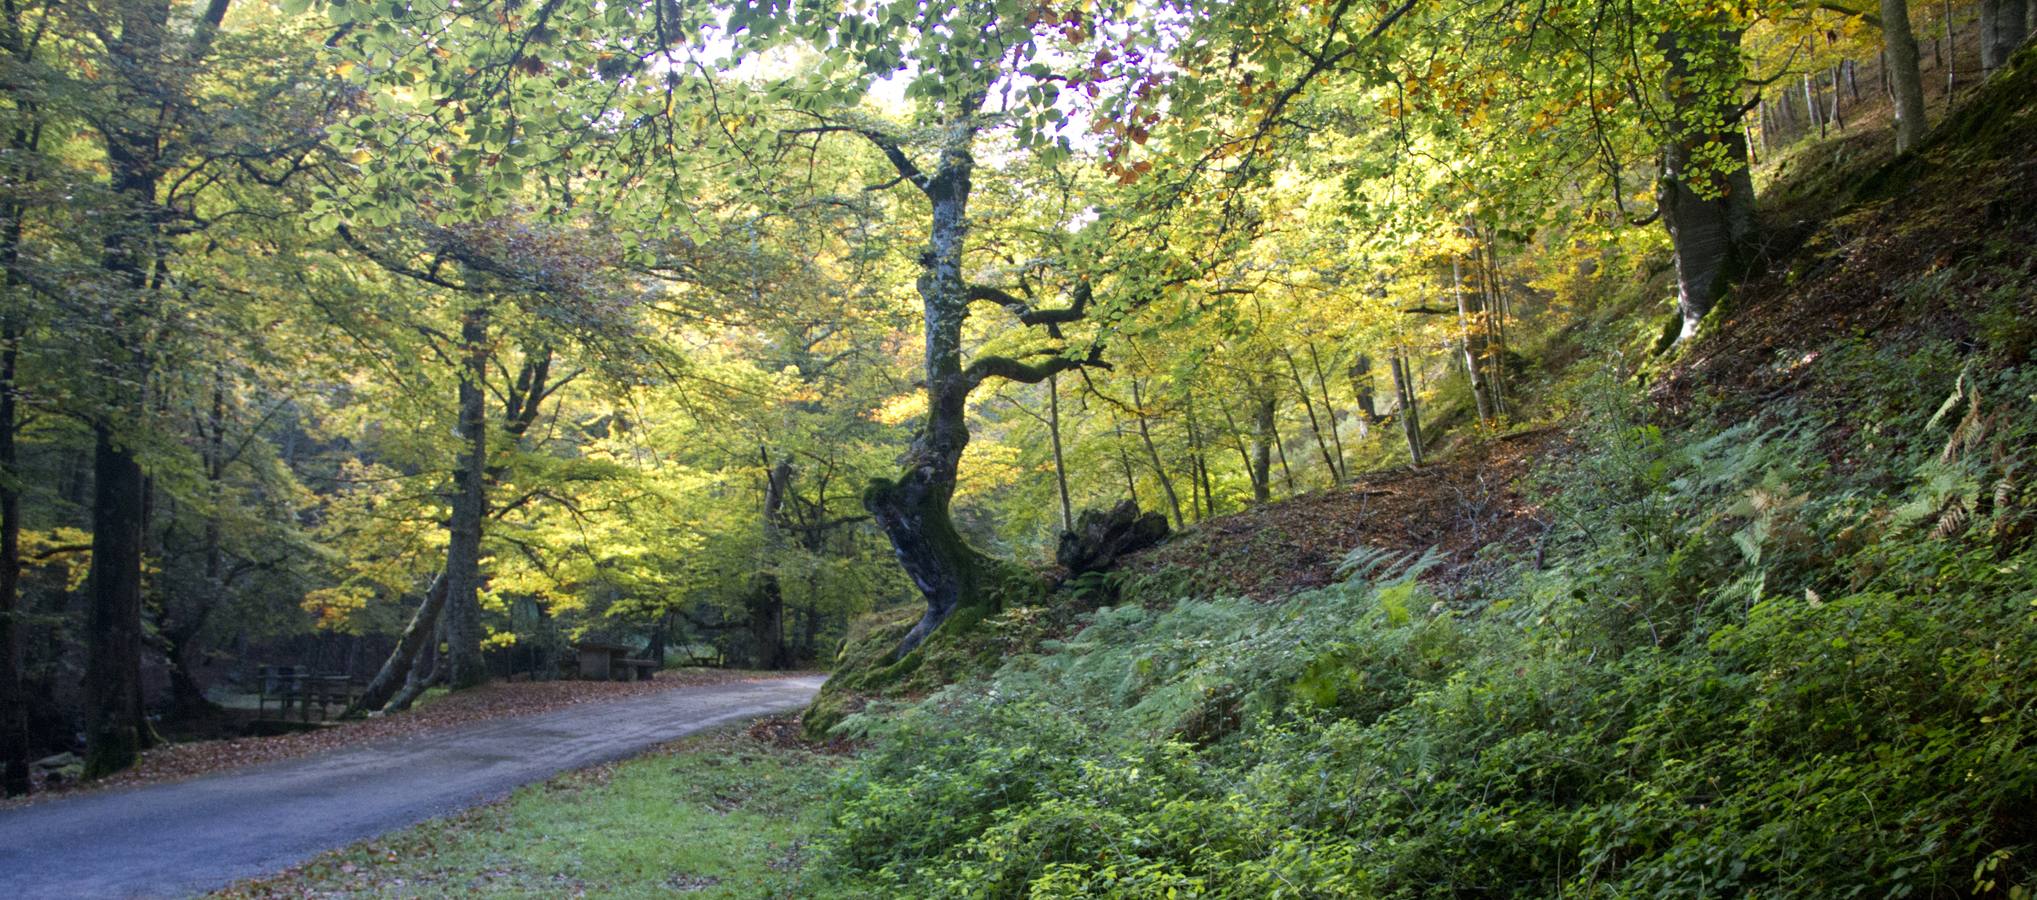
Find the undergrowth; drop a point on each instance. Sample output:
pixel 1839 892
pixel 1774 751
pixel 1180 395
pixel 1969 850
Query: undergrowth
pixel 1762 660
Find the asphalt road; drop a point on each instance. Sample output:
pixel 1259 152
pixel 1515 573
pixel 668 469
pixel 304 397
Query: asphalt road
pixel 195 836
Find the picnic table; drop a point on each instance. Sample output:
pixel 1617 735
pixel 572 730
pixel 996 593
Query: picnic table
pixel 605 662
pixel 301 688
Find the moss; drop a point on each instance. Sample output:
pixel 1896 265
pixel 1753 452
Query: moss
pixel 963 646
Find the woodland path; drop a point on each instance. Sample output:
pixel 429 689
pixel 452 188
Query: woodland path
pixel 194 836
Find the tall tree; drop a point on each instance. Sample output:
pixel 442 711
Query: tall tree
pixel 1899 47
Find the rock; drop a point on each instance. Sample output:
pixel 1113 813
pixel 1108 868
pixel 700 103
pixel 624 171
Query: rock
pixel 58 769
pixel 59 761
pixel 1100 538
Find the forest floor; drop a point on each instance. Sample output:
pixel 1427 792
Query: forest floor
pixel 436 711
pixel 1475 497
pixel 205 833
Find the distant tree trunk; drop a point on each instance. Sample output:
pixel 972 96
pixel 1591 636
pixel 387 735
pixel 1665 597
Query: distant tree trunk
pixel 13 702
pixel 1497 314
pixel 1060 464
pixel 1472 344
pixel 1709 214
pixel 1125 460
pixel 1201 459
pixel 1280 453
pixel 1153 455
pixel 462 617
pixel 410 648
pixel 1951 55
pixel 115 732
pixel 1258 460
pixel 1264 440
pixel 1899 48
pixel 1410 417
pixel 1314 425
pixel 1361 389
pixel 1329 409
pixel 766 602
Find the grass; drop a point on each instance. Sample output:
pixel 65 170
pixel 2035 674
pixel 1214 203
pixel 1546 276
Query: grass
pixel 717 815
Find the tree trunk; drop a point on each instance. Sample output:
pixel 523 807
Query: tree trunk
pixel 1264 440
pixel 766 602
pixel 466 666
pixel 1060 464
pixel 13 702
pixel 428 670
pixel 1709 214
pixel 1410 419
pixel 1990 52
pixel 1472 344
pixel 1314 425
pixel 395 671
pixel 1201 458
pixel 914 509
pixel 115 732
pixel 1329 409
pixel 1900 50
pixel 1361 389
pixel 2011 27
pixel 1125 460
pixel 1153 456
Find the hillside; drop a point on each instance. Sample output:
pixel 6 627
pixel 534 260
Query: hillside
pixel 1760 626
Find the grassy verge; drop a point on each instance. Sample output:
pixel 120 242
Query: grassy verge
pixel 716 815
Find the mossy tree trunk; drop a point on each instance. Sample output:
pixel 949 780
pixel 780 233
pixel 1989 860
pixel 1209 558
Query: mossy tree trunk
pixel 913 509
pixel 1706 190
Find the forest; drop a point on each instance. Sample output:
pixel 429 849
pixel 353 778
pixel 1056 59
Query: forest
pixel 1232 448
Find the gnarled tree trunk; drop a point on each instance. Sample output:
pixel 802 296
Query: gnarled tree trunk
pixel 913 509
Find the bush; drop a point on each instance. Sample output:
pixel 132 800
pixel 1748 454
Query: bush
pixel 1745 674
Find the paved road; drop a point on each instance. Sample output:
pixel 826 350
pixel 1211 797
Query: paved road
pixel 195 836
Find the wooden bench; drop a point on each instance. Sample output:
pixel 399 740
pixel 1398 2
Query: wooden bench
pixel 299 687
pixel 612 662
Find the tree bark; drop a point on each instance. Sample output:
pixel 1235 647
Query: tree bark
pixel 914 509
pixel 13 702
pixel 1264 439
pixel 1060 464
pixel 1125 460
pixel 1990 52
pixel 1709 214
pixel 1472 345
pixel 1314 425
pixel 1410 418
pixel 2011 27
pixel 1899 47
pixel 1201 458
pixel 1153 456
pixel 115 732
pixel 395 671
pixel 465 664
pixel 1329 409
pixel 766 602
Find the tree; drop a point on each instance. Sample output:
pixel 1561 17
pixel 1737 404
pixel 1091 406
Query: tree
pixel 1900 49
